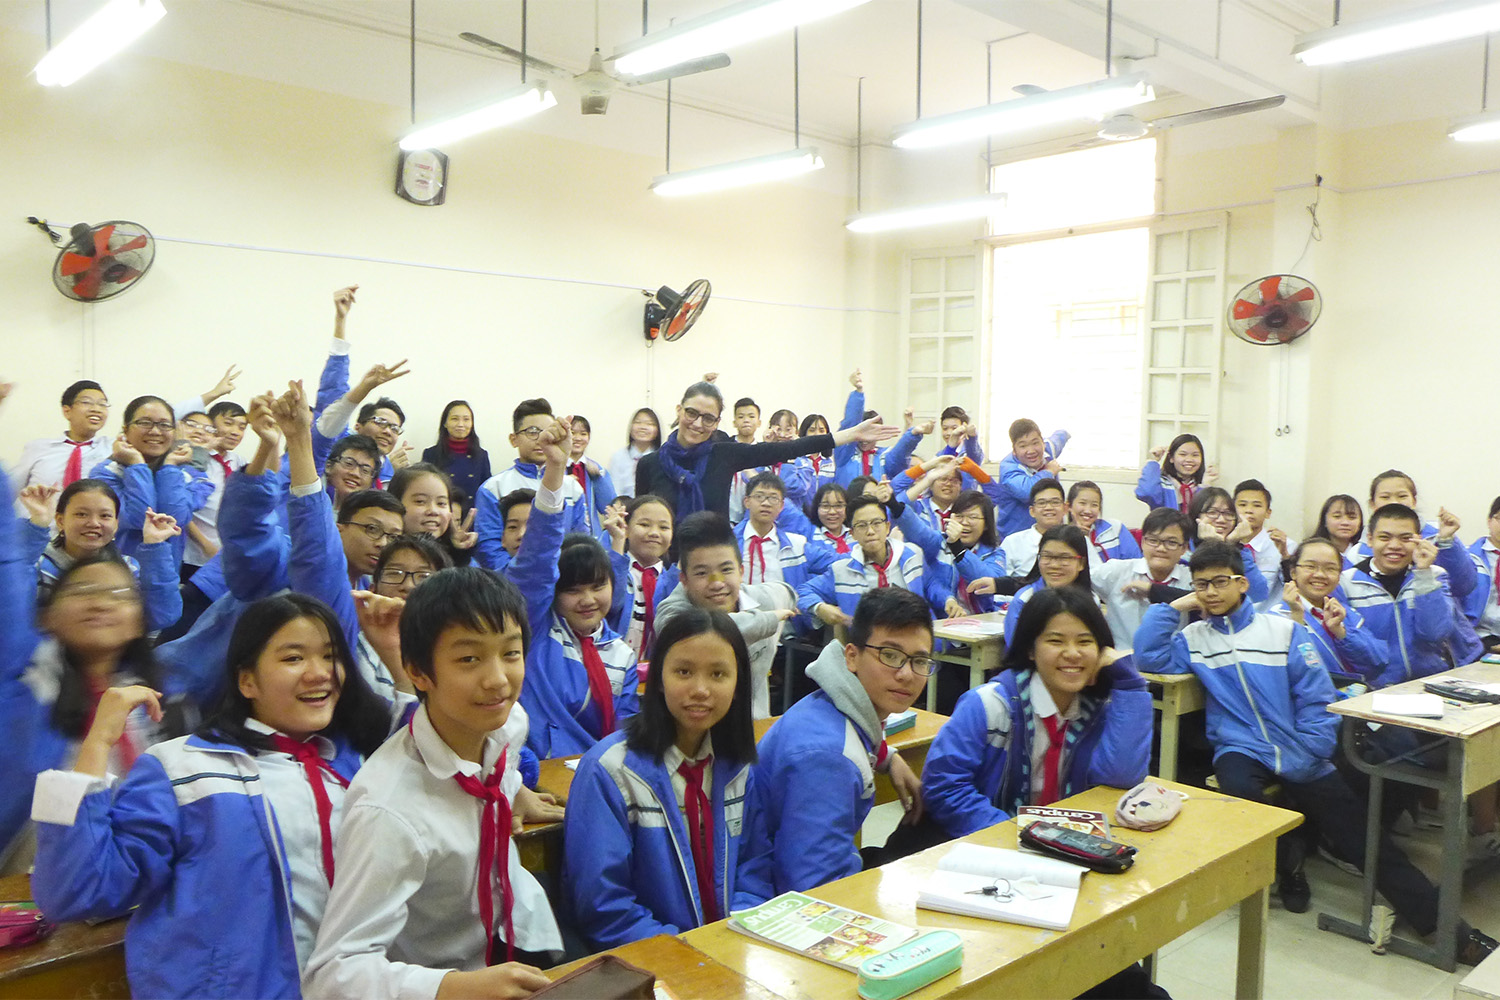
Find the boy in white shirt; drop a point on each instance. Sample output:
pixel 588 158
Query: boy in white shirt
pixel 1124 585
pixel 431 811
pixel 1048 509
pixel 65 460
pixel 1252 501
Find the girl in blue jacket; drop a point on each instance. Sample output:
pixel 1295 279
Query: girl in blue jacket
pixel 148 471
pixel 238 819
pixel 1107 539
pixel 966 551
pixel 1064 688
pixel 1175 474
pixel 1342 522
pixel 652 832
pixel 1348 649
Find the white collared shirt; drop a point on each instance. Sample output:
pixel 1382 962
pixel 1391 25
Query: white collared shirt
pixel 767 569
pixel 636 636
pixel 1043 707
pixel 207 516
pixel 674 758
pixel 284 783
pixel 403 912
pixel 1124 611
pixel 1021 549
pixel 1268 559
pixel 46 459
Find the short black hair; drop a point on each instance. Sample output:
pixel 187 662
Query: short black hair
pixel 1394 512
pixel 383 403
pixel 436 556
pixel 704 530
pixel 1085 484
pixel 403 479
pixel 365 499
pixel 1217 555
pixel 1253 486
pixel 467 596
pixel 357 442
pixel 582 561
pixel 747 401
pixel 954 413
pixel 653 730
pixel 855 504
pixel 1392 474
pixel 888 607
pixel 1021 427
pixel 537 407
pixel 1162 518
pixel 1495 507
pixel 1041 608
pixel 636 503
pixel 770 479
pixel 514 497
pixel 1043 485
pixel 72 391
pixel 587 427
pixel 226 409
pixel 807 422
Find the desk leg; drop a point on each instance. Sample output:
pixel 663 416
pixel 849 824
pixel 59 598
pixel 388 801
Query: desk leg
pixel 1455 847
pixel 932 686
pixel 1250 972
pixel 1171 715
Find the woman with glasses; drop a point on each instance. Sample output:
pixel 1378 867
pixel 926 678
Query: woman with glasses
pixel 695 467
pixel 964 551
pixel 62 655
pixel 457 451
pixel 149 470
pixel 1212 517
pixel 1344 645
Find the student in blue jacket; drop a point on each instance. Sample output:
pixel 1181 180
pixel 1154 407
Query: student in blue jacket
pixel 1031 458
pixel 1212 517
pixel 966 550
pixel 652 832
pixel 427 495
pixel 829 505
pixel 819 466
pixel 598 488
pixel 1062 560
pixel 1175 474
pixel 581 675
pixel 1395 486
pixel 1483 605
pixel 1348 649
pixel 1267 695
pixel 864 457
pixel 221 842
pixel 876 562
pixel 380 421
pixel 643 577
pixel 815 780
pixel 1064 690
pixel 1107 539
pixel 149 471
pixel 457 451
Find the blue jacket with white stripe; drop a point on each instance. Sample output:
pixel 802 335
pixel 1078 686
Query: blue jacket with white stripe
pixel 1111 540
pixel 1268 690
pixel 1012 490
pixel 849 577
pixel 972 777
pixel 848 459
pixel 946 576
pixel 1358 654
pixel 629 871
pixel 1419 627
pixel 178 490
pixel 799 562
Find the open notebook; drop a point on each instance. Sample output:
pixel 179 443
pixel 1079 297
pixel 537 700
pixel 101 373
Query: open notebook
pixel 1043 890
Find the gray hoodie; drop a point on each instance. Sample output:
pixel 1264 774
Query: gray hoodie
pixel 831 672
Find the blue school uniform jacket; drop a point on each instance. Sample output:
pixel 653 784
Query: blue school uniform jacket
pixel 1268 691
pixel 1360 654
pixel 191 840
pixel 628 872
pixel 1012 490
pixel 847 458
pixel 799 562
pixel 1484 582
pixel 1112 540
pixel 178 490
pixel 1156 488
pixel 161 597
pixel 489 525
pixel 972 778
pixel 848 578
pixel 945 575
pixel 564 718
pixel 332 385
pixel 1419 627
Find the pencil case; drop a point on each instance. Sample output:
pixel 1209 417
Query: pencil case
pixel 908 967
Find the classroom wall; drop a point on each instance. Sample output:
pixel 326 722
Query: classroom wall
pixel 267 197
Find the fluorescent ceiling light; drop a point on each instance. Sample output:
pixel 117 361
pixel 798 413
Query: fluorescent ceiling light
pixel 110 29
pixel 531 99
pixel 1411 29
pixel 926 215
pixel 718 30
pixel 1480 128
pixel 1090 100
pixel 777 166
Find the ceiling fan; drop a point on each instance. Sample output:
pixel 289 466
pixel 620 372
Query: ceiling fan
pixel 1125 126
pixel 595 84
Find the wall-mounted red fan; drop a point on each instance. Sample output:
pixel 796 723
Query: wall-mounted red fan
pixel 669 314
pixel 99 262
pixel 1276 309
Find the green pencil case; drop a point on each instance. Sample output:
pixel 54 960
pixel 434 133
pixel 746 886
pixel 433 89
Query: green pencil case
pixel 911 966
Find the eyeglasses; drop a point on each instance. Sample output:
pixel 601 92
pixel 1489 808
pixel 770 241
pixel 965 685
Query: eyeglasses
pixel 1216 583
pixel 1219 514
pixel 1058 558
pixel 920 663
pixel 1157 542
pixel 531 432
pixel 1327 569
pixel 384 424
pixel 968 519
pixel 867 525
pixel 1047 504
pixel 355 465
pixel 98 592
pixel 153 425
pixel 196 426
pixel 763 497
pixel 102 404
pixel 831 506
pixel 692 416
pixel 374 532
pixel 397 577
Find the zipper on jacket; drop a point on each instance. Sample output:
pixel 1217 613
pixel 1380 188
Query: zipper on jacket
pixel 1239 668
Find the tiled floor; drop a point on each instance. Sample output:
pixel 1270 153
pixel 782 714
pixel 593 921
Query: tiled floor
pixel 1302 961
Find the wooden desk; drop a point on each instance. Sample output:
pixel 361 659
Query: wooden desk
pixel 1173 695
pixel 1470 739
pixel 540 844
pixel 1219 852
pixel 688 973
pixel 78 960
pixel 983 655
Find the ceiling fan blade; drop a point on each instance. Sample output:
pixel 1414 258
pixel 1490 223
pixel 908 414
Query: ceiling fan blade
pixel 551 69
pixel 1222 111
pixel 716 61
pixel 1028 89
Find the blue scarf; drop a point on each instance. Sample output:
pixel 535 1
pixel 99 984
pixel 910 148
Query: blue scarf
pixel 686 466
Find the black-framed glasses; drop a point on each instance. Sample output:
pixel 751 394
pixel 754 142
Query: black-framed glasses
pixel 867 525
pixel 1053 504
pixel 921 664
pixel 831 506
pixel 1215 583
pixel 153 425
pixel 1327 569
pixel 1218 514
pixel 355 465
pixel 374 532
pixel 1157 542
pixel 692 416
pixel 759 497
pixel 396 577
pixel 531 432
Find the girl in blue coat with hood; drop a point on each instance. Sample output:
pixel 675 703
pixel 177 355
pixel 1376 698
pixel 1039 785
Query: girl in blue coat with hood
pixel 654 818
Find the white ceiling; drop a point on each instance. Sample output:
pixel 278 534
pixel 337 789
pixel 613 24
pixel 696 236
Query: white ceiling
pixel 1197 52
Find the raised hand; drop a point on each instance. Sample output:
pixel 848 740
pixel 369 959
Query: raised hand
pixel 114 708
pixel 710 377
pixel 908 417
pixel 343 301
pixel 881 491
pixel 872 431
pixel 1293 598
pixel 379 615
pixel 613 522
pixel 1208 531
pixel 1448 524
pixel 1334 616
pixel 1055 467
pixel 1425 554
pixel 1278 538
pixel 156 528
pixel 1211 475
pixel 379 375
pixel 857 379
pixel 557 441
pixel 462 535
pixel 180 455
pixel 926 427
pixel 291 412
pixel 1240 533
pixel 40 503
pixel 401 454
pixel 5 388
pixel 953 530
pixel 263 419
pixel 125 453
pixel 1159 454
pixel 225 385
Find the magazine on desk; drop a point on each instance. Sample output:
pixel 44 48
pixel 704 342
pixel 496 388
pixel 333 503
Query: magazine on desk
pixel 1032 890
pixel 815 929
pixel 976 628
pixel 1082 820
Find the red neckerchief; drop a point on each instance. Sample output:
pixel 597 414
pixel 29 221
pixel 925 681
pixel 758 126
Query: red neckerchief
pixel 581 474
pixel 817 464
pixel 843 546
pixel 648 600
pixel 1057 731
pixel 494 855
pixel 943 516
pixel 757 548
pixel 599 688
pixel 880 569
pixel 700 822
pixel 1094 537
pixel 1185 492
pixel 314 767
pixel 223 464
pixel 865 458
pixel 74 469
pixel 128 750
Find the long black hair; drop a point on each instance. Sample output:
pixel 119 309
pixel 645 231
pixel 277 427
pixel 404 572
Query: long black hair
pixel 971 499
pixel 1343 500
pixel 360 716
pixel 443 438
pixel 656 442
pixel 1073 537
pixel 1202 500
pixel 1169 465
pixel 806 425
pixel 653 729
pixel 88 486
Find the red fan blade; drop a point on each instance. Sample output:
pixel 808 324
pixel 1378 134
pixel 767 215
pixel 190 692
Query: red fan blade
pixel 135 244
pixel 1305 295
pixel 1245 309
pixel 101 239
pixel 87 287
pixel 127 275
pixel 75 263
pixel 1258 333
pixel 1270 288
pixel 1294 326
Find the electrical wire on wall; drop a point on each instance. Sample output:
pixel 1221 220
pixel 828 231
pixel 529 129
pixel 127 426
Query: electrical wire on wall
pixel 1283 362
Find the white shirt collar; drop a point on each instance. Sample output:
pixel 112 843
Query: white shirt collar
pixel 674 758
pixel 325 746
pixel 1042 705
pixel 440 758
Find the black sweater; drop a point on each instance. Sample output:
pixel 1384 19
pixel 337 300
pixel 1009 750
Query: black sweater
pixel 726 458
